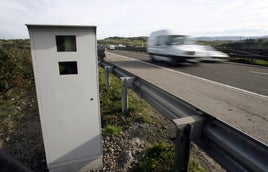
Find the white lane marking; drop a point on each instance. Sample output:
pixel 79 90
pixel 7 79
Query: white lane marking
pixel 193 76
pixel 260 73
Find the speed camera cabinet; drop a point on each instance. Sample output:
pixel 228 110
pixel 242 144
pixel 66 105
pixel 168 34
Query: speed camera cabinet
pixel 65 70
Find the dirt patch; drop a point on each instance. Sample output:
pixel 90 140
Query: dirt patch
pixel 20 131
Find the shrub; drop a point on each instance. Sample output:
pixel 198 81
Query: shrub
pixel 16 69
pixel 8 66
pixel 145 118
pixel 112 130
pixel 159 157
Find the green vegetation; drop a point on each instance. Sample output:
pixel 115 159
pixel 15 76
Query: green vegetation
pixel 110 97
pixel 16 70
pixel 112 130
pixel 160 157
pixel 131 41
pixel 194 166
pixel 145 118
pixel 15 44
pixel 110 100
pixel 20 132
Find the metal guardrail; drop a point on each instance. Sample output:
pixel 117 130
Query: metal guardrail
pixel 231 148
pixel 138 49
pixel 244 54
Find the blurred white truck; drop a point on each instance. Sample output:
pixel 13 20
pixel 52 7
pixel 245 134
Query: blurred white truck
pixel 165 45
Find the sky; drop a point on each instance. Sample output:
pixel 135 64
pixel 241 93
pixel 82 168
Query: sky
pixel 132 18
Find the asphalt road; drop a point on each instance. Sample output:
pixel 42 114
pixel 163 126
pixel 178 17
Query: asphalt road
pixel 242 109
pixel 248 77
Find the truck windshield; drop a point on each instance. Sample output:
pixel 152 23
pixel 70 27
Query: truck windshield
pixel 181 40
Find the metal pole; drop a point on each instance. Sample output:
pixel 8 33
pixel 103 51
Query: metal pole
pixel 107 70
pixel 124 95
pixel 125 83
pixel 183 148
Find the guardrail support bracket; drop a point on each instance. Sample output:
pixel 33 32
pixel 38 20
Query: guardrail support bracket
pixel 196 121
pixel 108 70
pixel 182 148
pixel 125 83
pixel 189 129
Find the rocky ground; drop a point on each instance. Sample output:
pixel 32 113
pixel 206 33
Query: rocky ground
pixel 124 152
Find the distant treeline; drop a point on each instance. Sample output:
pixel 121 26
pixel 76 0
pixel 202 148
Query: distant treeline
pixel 254 46
pixel 250 44
pixel 260 43
pixel 15 43
pixel 126 41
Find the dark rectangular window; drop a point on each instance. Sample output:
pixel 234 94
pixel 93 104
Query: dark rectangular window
pixel 66 43
pixel 68 68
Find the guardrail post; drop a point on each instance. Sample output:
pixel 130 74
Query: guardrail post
pixel 107 70
pixel 189 129
pixel 182 154
pixel 125 83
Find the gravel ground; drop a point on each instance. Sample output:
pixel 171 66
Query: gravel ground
pixel 124 152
